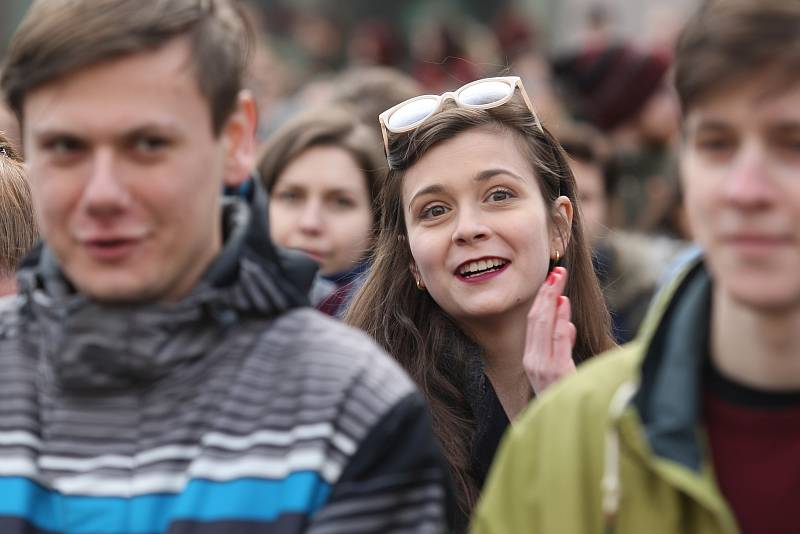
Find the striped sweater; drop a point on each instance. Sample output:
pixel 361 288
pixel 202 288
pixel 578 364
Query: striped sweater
pixel 230 411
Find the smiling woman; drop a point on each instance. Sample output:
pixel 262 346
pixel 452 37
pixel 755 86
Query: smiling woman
pixel 478 208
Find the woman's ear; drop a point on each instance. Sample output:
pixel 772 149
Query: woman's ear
pixel 561 229
pixel 412 267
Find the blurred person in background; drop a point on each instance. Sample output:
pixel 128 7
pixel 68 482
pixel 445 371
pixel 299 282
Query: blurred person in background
pixel 18 232
pixel 374 43
pixel 368 91
pixel 625 93
pixel 322 171
pixel 628 264
pixel 481 285
pixel 160 370
pixel 522 53
pixel 695 426
pixel 439 58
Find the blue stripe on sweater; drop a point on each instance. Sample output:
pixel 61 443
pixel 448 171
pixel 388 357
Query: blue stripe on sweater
pixel 202 500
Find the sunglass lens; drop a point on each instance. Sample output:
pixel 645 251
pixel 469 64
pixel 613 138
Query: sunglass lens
pixel 485 93
pixel 412 112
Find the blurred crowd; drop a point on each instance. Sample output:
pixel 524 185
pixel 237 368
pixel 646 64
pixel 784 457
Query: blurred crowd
pixel 474 213
pixel 608 99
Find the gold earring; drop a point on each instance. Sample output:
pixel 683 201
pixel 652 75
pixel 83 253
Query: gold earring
pixel 558 256
pixel 420 285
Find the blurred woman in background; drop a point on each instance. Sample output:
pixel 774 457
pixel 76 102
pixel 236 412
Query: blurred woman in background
pixel 321 172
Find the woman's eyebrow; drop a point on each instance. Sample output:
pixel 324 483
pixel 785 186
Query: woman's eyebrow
pixel 434 188
pixel 488 173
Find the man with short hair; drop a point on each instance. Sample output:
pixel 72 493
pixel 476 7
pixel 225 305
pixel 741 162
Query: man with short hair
pixel 695 426
pixel 158 371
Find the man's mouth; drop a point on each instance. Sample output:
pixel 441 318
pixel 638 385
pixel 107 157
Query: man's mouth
pixel 475 268
pixel 112 248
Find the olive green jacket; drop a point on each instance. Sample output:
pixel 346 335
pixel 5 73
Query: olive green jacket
pixel 619 446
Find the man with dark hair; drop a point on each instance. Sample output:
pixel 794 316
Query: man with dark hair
pixel 159 371
pixel 695 426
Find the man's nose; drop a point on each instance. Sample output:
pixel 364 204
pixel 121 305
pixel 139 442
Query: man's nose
pixel 749 183
pixel 104 193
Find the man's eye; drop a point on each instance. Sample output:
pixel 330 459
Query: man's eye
pixel 150 144
pixel 715 144
pixel 287 196
pixel 791 145
pixel 434 211
pixel 64 146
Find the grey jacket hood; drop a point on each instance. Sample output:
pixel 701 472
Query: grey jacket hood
pixel 93 345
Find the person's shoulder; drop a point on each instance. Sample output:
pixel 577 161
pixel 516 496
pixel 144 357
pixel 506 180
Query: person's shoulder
pixel 320 344
pixel 9 315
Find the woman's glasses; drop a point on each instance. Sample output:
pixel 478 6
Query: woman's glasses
pixel 481 94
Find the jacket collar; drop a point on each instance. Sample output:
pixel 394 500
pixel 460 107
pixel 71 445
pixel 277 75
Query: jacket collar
pixel 90 345
pixel 668 399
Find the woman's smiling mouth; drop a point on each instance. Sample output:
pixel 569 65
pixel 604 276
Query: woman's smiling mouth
pixel 481 269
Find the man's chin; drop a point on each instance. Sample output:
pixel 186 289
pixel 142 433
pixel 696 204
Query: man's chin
pixel 765 297
pixel 118 292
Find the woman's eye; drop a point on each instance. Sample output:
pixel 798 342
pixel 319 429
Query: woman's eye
pixel 433 212
pixel 343 203
pixel 499 195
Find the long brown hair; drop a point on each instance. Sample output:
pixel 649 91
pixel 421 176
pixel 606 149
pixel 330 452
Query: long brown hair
pixel 412 327
pixel 18 230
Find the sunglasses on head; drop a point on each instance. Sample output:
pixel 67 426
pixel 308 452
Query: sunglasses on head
pixel 486 93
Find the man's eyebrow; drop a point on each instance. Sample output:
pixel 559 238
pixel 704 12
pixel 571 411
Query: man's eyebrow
pixel 48 132
pixel 786 126
pixel 149 129
pixel 53 133
pixel 710 123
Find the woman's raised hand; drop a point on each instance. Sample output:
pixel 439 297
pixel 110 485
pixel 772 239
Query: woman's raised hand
pixel 550 335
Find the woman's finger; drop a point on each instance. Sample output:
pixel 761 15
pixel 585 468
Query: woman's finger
pixel 538 360
pixel 564 335
pixel 542 315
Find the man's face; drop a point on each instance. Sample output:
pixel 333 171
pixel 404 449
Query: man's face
pixel 741 172
pixel 126 174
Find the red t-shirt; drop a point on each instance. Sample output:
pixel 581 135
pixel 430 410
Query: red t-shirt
pixel 755 448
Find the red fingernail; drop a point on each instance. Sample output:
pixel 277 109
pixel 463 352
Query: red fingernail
pixel 562 300
pixel 551 279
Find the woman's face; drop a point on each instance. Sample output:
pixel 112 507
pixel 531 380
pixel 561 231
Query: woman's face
pixel 477 225
pixel 320 205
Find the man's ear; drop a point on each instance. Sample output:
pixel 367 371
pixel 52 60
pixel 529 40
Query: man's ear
pixel 561 229
pixel 239 133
